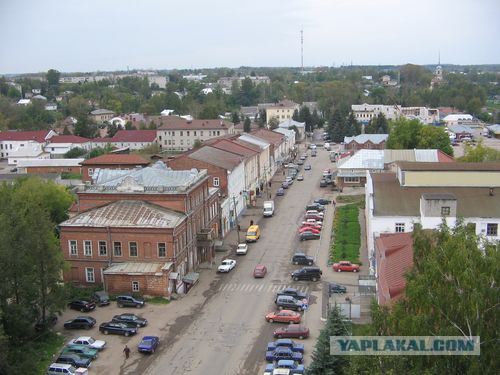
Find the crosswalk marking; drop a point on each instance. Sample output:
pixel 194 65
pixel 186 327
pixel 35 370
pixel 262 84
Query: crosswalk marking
pixel 258 288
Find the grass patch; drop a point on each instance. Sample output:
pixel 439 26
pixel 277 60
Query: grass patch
pixel 44 349
pixel 347 199
pixel 157 300
pixel 346 235
pixel 71 176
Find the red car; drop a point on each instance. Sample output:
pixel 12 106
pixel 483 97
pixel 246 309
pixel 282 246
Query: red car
pixel 259 271
pixel 284 316
pixel 317 227
pixel 309 229
pixel 345 266
pixel 314 217
pixel 292 331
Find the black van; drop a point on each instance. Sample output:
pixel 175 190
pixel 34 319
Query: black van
pixel 307 273
pixel 101 298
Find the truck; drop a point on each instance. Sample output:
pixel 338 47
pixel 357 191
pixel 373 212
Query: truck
pixel 268 208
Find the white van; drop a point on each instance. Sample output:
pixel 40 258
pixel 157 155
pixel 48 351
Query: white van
pixel 327 146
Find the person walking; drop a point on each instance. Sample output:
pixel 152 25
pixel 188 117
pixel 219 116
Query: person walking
pixel 126 350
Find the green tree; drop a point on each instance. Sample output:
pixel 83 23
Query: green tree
pixel 450 291
pixel 129 126
pixel 404 134
pixel 197 143
pixel 53 77
pixel 247 92
pixel 295 115
pixel 75 153
pixel 433 137
pixel 323 363
pixel 247 125
pixel 235 118
pixel 83 128
pixel 112 129
pixel 273 123
pixel 480 154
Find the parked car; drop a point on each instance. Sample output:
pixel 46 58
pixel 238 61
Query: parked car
pixel 47 323
pixel 337 288
pixel 74 360
pixel 129 301
pixel 317 227
pixel 283 353
pixel 285 185
pixel 242 249
pixel 322 201
pixel 81 305
pixel 323 183
pixel 300 162
pixel 303 259
pixel 86 322
pixel 285 343
pixel 307 273
pixel 130 320
pixel 314 217
pixel 308 235
pixel 280 192
pixel 81 350
pixel 259 271
pixel 345 266
pixel 292 292
pixel 321 215
pixel 316 207
pixel 307 167
pixel 292 367
pixel 101 298
pixel 288 303
pixel 309 229
pixel 226 265
pixel 284 316
pixel 289 180
pixel 313 222
pixel 117 329
pixel 61 369
pixel 292 331
pixel 89 342
pixel 300 177
pixel 148 344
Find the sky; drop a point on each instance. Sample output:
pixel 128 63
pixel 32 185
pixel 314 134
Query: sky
pixel 107 35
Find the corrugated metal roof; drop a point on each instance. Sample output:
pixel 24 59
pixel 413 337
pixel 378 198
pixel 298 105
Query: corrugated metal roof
pixel 127 214
pixel 262 143
pixel 418 166
pixel 215 156
pixel 24 163
pixel 154 179
pixel 364 159
pixel 460 129
pixel 363 138
pixel 137 268
pixel 107 159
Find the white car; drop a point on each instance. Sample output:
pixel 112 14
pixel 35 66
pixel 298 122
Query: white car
pixel 90 342
pixel 315 212
pixel 242 249
pixel 226 265
pixel 313 222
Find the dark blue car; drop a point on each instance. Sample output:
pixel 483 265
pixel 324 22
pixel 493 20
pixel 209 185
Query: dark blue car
pixel 283 353
pixel 285 363
pixel 148 344
pixel 285 343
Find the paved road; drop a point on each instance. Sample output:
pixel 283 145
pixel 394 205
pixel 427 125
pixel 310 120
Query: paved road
pixel 227 334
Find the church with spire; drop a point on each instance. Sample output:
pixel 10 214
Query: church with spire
pixel 438 75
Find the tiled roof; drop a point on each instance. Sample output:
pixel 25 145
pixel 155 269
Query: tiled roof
pixel 391 199
pixel 394 259
pixel 134 136
pixel 217 157
pixel 68 139
pixel 178 123
pixel 37 136
pixel 127 214
pixel 233 147
pixel 120 159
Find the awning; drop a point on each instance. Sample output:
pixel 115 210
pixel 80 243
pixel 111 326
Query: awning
pixel 191 278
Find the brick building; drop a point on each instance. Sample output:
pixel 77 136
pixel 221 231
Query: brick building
pixel 111 161
pixel 365 142
pixel 144 230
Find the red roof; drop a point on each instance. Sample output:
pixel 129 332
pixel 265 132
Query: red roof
pixel 178 123
pixel 121 159
pixel 134 136
pixel 36 135
pixel 231 146
pixel 444 158
pixel 269 135
pixel 68 139
pixel 394 259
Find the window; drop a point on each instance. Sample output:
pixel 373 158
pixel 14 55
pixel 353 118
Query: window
pixel 445 211
pixel 89 275
pixel 102 248
pixel 492 229
pixel 117 246
pixel 91 171
pixel 351 179
pixel 195 133
pixel 201 132
pixel 187 133
pixel 400 227
pixel 73 247
pixel 182 133
pixel 135 286
pixel 162 250
pixel 132 248
pixel 216 181
pixel 182 142
pixel 87 248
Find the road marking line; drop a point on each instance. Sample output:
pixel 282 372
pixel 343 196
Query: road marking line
pixel 260 287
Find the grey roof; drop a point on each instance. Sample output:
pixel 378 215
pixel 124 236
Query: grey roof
pixel 153 179
pixel 138 268
pixel 391 156
pixel 290 122
pixel 363 138
pixel 438 196
pixel 460 129
pixel 127 214
pixel 392 199
pixel 24 163
pixel 217 157
pixel 363 159
pixel 101 112
pixel 494 128
pixel 262 143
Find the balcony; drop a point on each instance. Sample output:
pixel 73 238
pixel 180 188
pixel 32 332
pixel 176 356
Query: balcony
pixel 205 237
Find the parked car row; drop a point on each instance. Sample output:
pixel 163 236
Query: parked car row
pixel 310 228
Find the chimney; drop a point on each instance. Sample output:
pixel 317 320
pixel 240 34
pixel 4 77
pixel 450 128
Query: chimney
pixel 492 192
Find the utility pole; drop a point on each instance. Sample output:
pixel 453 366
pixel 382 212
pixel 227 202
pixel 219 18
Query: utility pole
pixel 236 219
pixel 302 49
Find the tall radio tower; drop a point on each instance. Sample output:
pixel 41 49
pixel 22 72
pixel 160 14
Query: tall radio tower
pixel 302 49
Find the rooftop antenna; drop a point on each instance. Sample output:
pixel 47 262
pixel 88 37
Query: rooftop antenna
pixel 302 49
pixel 439 57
